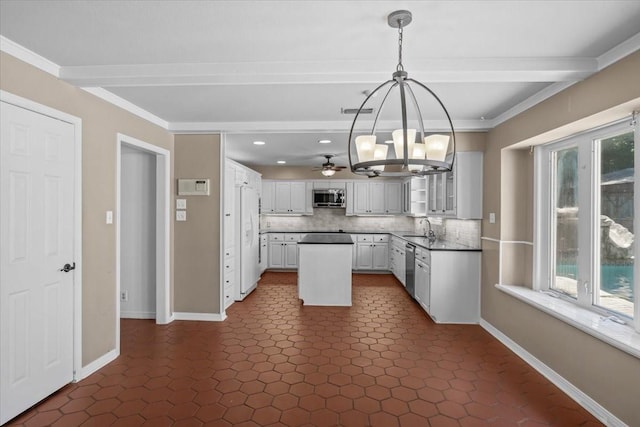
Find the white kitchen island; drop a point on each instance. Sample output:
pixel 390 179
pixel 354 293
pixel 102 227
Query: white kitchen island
pixel 324 269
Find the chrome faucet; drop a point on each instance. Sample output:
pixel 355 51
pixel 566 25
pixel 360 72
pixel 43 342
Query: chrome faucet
pixel 429 235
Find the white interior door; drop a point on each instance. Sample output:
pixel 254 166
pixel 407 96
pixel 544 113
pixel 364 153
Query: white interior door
pixel 37 237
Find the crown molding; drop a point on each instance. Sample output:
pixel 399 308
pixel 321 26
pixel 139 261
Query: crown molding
pixel 30 57
pixel 126 105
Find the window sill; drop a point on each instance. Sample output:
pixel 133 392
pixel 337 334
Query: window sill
pixel 622 337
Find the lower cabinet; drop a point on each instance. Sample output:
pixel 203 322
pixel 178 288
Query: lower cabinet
pixel 372 251
pixel 423 278
pixel 283 250
pixel 229 276
pixel 448 286
pixel 397 259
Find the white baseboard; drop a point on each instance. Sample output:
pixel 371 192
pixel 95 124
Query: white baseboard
pixel 204 317
pixel 597 410
pixel 137 315
pixel 97 364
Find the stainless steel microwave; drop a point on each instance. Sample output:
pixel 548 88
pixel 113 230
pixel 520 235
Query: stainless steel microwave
pixel 328 198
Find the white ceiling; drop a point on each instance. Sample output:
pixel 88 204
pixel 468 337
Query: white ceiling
pixel 280 71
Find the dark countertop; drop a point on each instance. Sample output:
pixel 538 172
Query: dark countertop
pixel 408 236
pixel 326 239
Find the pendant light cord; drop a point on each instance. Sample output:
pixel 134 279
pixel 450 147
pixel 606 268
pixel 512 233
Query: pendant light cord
pixel 400 67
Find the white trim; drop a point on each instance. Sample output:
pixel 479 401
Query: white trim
pixel 137 315
pixel 28 56
pixel 163 224
pixel 127 106
pixel 310 126
pixel 622 337
pixel 500 250
pixel 530 102
pixel 98 364
pixel 76 122
pixel 204 317
pixel 434 70
pixel 597 410
pixel 223 231
pixel 618 52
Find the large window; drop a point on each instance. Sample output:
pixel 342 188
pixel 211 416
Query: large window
pixel 588 218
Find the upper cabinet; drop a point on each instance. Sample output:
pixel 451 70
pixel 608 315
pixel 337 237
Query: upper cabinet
pixel 374 197
pixel 457 193
pixel 415 196
pixel 286 197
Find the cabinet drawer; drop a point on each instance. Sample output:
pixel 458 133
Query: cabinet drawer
pixel 425 256
pixel 364 238
pixel 291 237
pixel 228 297
pixel 276 237
pixel 380 237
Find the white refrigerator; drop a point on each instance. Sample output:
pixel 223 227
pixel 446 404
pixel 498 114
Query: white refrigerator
pixel 248 241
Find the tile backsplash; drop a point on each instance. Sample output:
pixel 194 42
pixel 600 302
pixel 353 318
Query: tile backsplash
pixel 465 232
pixel 334 220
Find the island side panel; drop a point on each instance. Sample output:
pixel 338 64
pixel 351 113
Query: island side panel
pixel 324 274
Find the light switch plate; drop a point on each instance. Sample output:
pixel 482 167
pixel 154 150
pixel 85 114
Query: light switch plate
pixel 492 218
pixel 181 203
pixel 109 217
pixel 181 215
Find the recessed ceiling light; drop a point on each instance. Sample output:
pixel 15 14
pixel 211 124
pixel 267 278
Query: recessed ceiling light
pixel 325 141
pixel 281 162
pixel 258 142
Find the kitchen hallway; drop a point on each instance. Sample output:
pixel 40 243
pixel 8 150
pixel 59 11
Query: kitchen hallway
pixel 381 362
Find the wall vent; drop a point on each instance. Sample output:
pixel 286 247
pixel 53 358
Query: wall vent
pixel 355 110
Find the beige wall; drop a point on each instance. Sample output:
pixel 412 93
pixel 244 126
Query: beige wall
pixel 606 374
pixel 101 122
pixel 197 240
pixel 465 141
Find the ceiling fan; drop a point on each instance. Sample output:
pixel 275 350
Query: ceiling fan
pixel 329 168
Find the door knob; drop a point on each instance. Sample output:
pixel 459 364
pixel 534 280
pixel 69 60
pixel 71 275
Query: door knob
pixel 68 267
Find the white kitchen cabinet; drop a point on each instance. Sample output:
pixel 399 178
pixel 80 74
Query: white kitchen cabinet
pixel 236 177
pixel 448 293
pixel 374 198
pixel 397 259
pixel 415 196
pixel 264 252
pixel 276 250
pixel 458 193
pixel 423 278
pixel 329 183
pixel 286 197
pixel 392 197
pixel 229 205
pixel 372 251
pixel 283 250
pixel 268 197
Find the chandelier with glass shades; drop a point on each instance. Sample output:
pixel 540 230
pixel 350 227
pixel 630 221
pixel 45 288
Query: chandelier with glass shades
pixel 396 104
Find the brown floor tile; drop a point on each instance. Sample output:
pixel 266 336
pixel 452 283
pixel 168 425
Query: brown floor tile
pixel 274 362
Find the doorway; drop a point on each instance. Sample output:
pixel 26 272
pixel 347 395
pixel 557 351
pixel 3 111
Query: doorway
pixel 142 232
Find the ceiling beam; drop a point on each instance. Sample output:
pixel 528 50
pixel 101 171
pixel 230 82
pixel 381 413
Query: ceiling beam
pixel 471 70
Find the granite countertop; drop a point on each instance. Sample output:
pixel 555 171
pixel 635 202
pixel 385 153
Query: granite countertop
pixel 326 239
pixel 408 236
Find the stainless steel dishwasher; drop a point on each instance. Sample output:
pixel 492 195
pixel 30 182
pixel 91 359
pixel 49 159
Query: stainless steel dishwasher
pixel 410 270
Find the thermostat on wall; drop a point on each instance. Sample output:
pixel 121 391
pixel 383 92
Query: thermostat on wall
pixel 193 187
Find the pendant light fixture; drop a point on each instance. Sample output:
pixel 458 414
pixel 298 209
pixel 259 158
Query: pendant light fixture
pixel 416 151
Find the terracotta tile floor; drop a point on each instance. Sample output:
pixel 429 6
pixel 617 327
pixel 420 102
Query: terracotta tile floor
pixel 382 362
